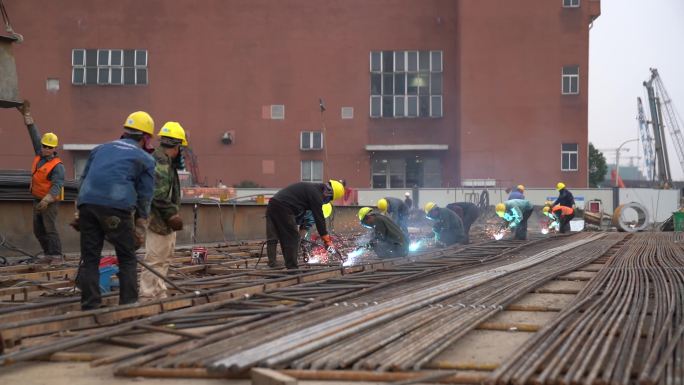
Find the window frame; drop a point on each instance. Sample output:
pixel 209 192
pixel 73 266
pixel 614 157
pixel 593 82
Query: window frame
pixel 311 140
pixel 311 163
pixel 106 65
pixel 407 65
pixel 570 154
pixel 576 77
pixel 571 3
pixel 273 115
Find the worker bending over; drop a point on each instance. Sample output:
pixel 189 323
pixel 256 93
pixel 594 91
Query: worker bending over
pixel 468 212
pixel 165 219
pixel 389 241
pixel 518 193
pixel 114 202
pixel 564 215
pixel 448 227
pixel 396 209
pixel 565 197
pixel 515 212
pixel 47 188
pixel 282 212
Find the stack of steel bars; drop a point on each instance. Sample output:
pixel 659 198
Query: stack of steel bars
pixel 375 317
pixel 14 185
pixel 627 324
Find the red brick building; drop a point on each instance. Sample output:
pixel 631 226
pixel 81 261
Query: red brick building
pixel 427 92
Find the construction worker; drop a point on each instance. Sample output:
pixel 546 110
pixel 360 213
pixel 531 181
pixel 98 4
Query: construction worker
pixel 564 215
pixel 282 212
pixel 389 241
pixel 117 186
pixel 47 188
pixel 396 209
pixel 468 212
pixel 515 212
pixel 448 227
pixel 565 197
pixel 518 193
pixel 407 200
pixel 165 219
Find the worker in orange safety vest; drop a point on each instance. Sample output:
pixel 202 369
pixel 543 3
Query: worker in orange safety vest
pixel 47 188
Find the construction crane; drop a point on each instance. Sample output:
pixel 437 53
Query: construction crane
pixel 646 142
pixel 657 99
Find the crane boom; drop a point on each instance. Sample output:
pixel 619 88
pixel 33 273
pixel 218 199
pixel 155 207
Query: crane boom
pixel 669 116
pixel 663 169
pixel 646 141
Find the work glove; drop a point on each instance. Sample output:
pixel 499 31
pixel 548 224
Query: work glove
pixel 74 222
pixel 25 110
pixel 43 204
pixel 329 244
pixel 139 232
pixel 175 222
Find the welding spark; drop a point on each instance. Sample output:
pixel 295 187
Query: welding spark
pixel 498 236
pixel 352 256
pixel 414 246
pixel 544 230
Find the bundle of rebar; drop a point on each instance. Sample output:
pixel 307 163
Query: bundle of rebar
pixel 626 325
pixel 281 343
pixel 15 185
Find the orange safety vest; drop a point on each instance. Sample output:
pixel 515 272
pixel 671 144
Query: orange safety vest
pixel 40 184
pixel 563 209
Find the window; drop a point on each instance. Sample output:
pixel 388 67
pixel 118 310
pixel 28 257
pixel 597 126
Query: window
pixel 570 80
pixel 109 67
pixel 312 171
pixel 406 172
pixel 406 84
pixel 347 113
pixel 278 111
pixel 311 140
pixel 571 3
pixel 569 156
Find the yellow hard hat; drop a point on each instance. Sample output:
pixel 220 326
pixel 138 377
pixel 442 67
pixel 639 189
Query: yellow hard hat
pixel 338 189
pixel 173 130
pixel 363 211
pixel 560 186
pixel 327 209
pixel 429 206
pixel 545 209
pixel 382 205
pixel 500 209
pixel 49 139
pixel 521 187
pixel 141 121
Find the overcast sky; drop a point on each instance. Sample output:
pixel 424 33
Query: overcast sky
pixel 627 39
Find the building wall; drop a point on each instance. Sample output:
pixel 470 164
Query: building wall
pixel 215 64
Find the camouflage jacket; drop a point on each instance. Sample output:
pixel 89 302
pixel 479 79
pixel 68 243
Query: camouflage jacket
pixel 166 199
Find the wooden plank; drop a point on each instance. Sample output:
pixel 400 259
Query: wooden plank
pixel 263 376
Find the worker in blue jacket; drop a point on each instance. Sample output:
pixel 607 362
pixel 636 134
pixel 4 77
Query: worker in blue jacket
pixel 114 199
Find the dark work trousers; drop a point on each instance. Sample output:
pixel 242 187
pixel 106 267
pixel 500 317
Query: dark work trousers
pixel 45 228
pixel 96 224
pixel 281 226
pixel 521 229
pixel 564 223
pixel 469 217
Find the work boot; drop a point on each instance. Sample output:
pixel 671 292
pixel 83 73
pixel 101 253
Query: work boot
pixel 275 265
pixel 42 259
